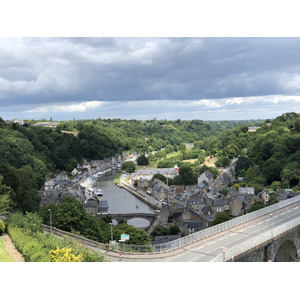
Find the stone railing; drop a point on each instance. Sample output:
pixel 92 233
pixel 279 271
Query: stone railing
pixel 84 241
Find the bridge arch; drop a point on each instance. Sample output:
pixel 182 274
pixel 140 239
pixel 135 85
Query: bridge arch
pixel 126 220
pixel 286 252
pixel 286 249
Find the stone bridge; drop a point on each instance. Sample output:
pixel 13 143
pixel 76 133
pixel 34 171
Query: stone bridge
pixel 151 217
pixel 281 248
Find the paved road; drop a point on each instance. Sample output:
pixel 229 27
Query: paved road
pixel 210 249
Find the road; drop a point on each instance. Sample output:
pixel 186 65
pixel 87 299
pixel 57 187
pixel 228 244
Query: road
pixel 210 248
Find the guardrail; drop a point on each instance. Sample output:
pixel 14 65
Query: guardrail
pixel 223 226
pixel 80 239
pixel 257 240
pixel 169 246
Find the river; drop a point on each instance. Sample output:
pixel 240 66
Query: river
pixel 121 201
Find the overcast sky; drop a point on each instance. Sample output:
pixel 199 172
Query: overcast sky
pixel 145 78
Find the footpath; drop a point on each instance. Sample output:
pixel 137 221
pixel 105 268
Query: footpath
pixel 11 249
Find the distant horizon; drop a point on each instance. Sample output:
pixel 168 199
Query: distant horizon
pixel 66 120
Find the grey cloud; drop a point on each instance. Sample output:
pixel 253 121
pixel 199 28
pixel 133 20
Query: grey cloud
pixel 53 70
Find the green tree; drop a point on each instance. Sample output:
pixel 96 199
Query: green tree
pixel 159 230
pixel 169 149
pixel 137 236
pixel 276 185
pixel 243 163
pixel 256 206
pixel 187 175
pixel 181 146
pixel 220 218
pixel 33 223
pixel 142 160
pixel 4 204
pixel 128 166
pixel 272 169
pixel 69 215
pixel 250 174
pixel 173 229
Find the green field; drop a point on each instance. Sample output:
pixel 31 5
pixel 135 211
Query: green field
pixel 4 256
pixel 152 165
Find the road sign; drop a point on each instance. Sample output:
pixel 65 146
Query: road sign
pixel 125 237
pixel 224 249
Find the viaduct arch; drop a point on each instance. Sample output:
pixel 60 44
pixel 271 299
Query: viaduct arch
pixel 284 248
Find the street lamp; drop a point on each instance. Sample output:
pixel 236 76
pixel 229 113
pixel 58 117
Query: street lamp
pixel 111 231
pixel 50 220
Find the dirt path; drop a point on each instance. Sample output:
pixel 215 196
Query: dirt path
pixel 11 249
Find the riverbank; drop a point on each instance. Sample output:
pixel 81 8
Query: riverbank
pixel 117 179
pixel 149 200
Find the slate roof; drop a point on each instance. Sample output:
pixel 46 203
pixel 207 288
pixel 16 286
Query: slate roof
pixel 192 224
pixel 246 191
pixel 207 209
pixel 103 206
pixel 219 202
pixel 194 200
pixel 91 203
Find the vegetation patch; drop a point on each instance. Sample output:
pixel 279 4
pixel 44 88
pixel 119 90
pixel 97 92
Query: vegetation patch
pixel 117 179
pixel 36 246
pixel 4 256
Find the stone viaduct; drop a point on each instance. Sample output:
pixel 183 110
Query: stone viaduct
pixel 282 248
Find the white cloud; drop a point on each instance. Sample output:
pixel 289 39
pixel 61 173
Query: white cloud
pixel 68 108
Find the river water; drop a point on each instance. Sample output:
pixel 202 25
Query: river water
pixel 121 201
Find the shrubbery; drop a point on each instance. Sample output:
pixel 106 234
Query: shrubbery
pixel 2 227
pixel 36 246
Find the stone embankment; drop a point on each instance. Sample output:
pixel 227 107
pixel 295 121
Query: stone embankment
pixel 150 201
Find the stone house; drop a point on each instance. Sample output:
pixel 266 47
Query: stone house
pixel 49 185
pixel 286 195
pixel 205 180
pixel 264 196
pixel 196 203
pixel 208 211
pixel 19 121
pixel 75 171
pixel 103 207
pixel 189 145
pixel 193 226
pixel 91 206
pixel 247 196
pixel 235 207
pixel 158 189
pixel 95 164
pixel 253 128
pixel 220 205
pixel 86 166
pixel 149 173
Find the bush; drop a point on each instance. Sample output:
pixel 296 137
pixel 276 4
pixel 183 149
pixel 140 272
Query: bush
pixel 19 238
pixel 35 246
pixel 2 227
pixel 17 219
pixel 33 252
pixel 64 255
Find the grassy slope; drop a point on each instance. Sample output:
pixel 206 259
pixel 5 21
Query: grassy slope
pixel 4 256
